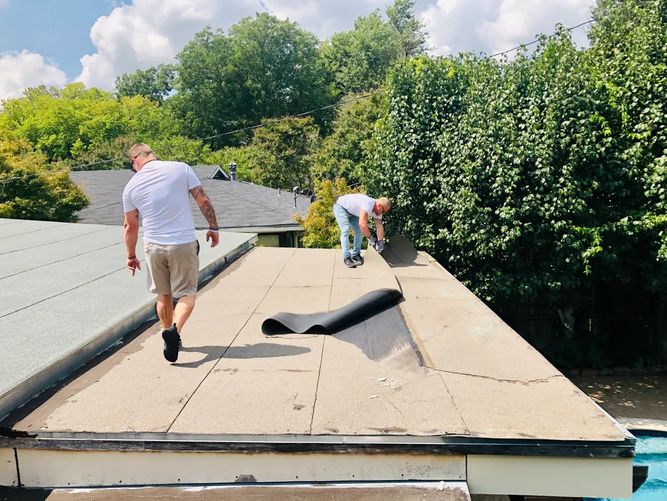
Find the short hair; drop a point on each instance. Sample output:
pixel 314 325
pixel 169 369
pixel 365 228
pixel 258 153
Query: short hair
pixel 139 149
pixel 385 202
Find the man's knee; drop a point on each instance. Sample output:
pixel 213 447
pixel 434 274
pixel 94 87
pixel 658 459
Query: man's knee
pixel 188 300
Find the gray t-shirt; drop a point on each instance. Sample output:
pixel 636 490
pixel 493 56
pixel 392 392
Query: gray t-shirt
pixel 354 202
pixel 160 191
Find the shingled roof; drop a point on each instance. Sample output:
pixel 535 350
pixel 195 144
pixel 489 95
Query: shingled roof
pixel 239 205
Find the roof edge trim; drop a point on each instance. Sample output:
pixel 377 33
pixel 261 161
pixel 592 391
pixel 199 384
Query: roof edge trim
pixel 379 444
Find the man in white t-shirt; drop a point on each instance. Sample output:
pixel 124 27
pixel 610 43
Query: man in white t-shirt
pixel 160 192
pixel 353 211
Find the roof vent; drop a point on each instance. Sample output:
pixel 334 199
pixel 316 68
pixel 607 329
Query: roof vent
pixel 220 174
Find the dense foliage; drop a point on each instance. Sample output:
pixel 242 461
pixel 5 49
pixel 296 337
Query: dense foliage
pixel 541 180
pixel 263 68
pixel 321 229
pixel 30 190
pixel 358 60
pixel 84 126
pixel 346 151
pixel 154 83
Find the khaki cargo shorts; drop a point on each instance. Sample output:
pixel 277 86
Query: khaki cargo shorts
pixel 172 269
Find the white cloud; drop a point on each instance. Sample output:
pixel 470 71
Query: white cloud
pixel 495 25
pixel 325 18
pixel 150 32
pixel 520 21
pixel 143 33
pixel 18 71
pixel 4 3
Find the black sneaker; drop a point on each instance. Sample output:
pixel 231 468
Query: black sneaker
pixel 349 263
pixel 357 259
pixel 172 341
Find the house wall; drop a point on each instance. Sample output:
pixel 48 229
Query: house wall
pixel 268 240
pixel 283 239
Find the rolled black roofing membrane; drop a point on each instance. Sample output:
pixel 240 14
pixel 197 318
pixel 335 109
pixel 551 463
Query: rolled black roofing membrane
pixel 329 322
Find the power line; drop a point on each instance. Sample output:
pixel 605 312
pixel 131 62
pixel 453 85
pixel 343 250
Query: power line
pixel 310 112
pixel 81 167
pixel 537 39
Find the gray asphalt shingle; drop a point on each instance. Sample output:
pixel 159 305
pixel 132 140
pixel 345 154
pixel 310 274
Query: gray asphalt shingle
pixel 238 204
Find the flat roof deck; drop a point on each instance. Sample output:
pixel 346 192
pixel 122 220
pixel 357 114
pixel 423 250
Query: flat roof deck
pixel 438 373
pixel 65 295
pixel 459 370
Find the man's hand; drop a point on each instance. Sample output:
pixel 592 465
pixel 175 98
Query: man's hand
pixel 379 246
pixel 214 236
pixel 372 240
pixel 133 264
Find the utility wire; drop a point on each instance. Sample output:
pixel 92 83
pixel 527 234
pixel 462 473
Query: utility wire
pixel 82 167
pixel 75 168
pixel 571 28
pixel 310 112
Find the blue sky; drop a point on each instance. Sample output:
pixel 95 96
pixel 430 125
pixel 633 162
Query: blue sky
pixel 57 29
pixel 55 42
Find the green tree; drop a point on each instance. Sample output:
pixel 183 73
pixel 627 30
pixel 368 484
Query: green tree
pixel 321 229
pixel 29 189
pixel 62 123
pixel 280 154
pixel 182 149
pixel 110 155
pixel 147 120
pixel 205 98
pixel 358 60
pixel 245 157
pixel 538 180
pixel 423 99
pixel 83 126
pixel 264 68
pixel 155 83
pixel 113 155
pixel 275 63
pixel 346 151
pixel 284 152
pixel 506 173
pixel 629 56
pixel 411 30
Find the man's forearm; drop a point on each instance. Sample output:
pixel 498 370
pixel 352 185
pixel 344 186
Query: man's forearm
pixel 131 236
pixel 380 230
pixel 208 212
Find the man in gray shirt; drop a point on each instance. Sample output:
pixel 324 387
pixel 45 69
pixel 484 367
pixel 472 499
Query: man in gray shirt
pixel 353 211
pixel 159 192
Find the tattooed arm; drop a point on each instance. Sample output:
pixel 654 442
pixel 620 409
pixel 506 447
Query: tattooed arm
pixel 208 211
pixel 131 233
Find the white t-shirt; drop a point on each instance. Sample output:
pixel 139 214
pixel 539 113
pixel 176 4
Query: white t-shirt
pixel 160 191
pixel 354 202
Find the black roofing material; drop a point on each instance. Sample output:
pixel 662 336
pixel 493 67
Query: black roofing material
pixel 399 252
pixel 329 322
pixel 379 444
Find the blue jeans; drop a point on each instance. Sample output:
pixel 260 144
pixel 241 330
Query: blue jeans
pixel 345 221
